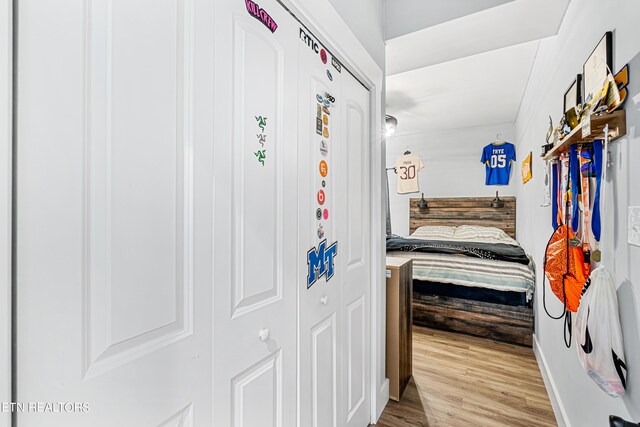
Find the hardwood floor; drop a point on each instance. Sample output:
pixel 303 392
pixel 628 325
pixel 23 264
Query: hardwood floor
pixel 459 380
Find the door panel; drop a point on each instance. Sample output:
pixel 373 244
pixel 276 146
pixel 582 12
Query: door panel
pixel 356 356
pixel 255 206
pixel 114 220
pixel 257 394
pixel 258 188
pixel 136 268
pixel 338 304
pixel 324 368
pixel 353 195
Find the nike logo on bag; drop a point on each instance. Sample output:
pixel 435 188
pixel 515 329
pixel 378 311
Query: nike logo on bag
pixel 587 347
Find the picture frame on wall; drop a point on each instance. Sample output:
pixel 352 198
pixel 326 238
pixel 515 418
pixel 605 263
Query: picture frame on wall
pixel 596 68
pixel 573 95
pixel 527 171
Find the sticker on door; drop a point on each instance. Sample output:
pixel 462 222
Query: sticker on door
pixel 320 262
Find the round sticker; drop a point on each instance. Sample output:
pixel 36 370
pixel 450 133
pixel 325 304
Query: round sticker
pixel 325 119
pixel 324 169
pixel 323 56
pixel 320 99
pixel 329 75
pixel 325 132
pixel 318 213
pixel 324 148
pixel 326 103
pixel 325 214
pixel 324 183
pixel 320 231
pixel 321 197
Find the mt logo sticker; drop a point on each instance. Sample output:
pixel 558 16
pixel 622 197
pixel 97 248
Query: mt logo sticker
pixel 320 262
pixel 261 15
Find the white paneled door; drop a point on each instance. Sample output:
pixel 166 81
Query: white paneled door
pixel 334 301
pixel 193 241
pixel 114 212
pixel 255 214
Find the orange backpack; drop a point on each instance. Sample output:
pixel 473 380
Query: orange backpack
pixel 565 268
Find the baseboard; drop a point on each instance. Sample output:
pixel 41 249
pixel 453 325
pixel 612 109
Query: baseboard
pixel 554 397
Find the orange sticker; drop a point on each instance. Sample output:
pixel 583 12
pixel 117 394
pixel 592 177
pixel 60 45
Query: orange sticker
pixel 326 132
pixel 324 169
pixel 325 120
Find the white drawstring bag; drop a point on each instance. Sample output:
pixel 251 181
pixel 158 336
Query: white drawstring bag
pixel 599 336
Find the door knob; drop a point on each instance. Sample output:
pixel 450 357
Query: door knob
pixel 264 334
pixel 324 300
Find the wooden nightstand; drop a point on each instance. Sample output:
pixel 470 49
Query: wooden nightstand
pixel 399 321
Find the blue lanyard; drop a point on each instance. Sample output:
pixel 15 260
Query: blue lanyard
pixel 597 160
pixel 554 196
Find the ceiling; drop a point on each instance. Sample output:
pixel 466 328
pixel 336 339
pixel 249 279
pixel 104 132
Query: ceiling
pixel 405 16
pixel 464 67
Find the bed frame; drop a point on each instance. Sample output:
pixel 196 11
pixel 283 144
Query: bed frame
pixel 499 322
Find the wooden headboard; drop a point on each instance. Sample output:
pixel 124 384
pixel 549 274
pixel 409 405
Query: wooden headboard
pixel 464 211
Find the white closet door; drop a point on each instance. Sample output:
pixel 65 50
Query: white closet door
pixel 334 311
pixel 114 220
pixel 255 200
pixel 352 192
pixel 320 297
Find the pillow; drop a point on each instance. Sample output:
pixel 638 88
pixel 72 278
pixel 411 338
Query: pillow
pixel 434 232
pixel 472 232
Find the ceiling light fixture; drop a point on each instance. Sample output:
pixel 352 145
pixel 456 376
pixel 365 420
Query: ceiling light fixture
pixel 392 124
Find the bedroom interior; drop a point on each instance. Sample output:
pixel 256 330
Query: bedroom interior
pixel 327 213
pixel 448 103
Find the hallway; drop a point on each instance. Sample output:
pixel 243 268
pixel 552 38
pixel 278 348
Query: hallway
pixel 460 380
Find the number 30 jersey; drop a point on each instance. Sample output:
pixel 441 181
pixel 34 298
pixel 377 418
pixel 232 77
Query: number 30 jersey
pixel 497 159
pixel 407 168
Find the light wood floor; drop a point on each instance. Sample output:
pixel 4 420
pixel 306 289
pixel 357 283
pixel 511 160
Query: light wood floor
pixel 460 380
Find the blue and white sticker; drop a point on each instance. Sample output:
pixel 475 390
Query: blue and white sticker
pixel 320 262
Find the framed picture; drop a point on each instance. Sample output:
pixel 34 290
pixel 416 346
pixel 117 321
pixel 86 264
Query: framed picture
pixel 594 70
pixel 573 95
pixel 526 169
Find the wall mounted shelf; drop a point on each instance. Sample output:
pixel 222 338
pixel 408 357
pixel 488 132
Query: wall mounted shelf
pixel 617 122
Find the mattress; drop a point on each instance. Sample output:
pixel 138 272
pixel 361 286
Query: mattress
pixel 467 268
pixel 468 271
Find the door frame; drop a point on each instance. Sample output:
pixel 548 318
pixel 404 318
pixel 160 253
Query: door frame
pixel 6 185
pixel 331 30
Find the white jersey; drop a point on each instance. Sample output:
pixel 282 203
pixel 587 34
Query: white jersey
pixel 407 168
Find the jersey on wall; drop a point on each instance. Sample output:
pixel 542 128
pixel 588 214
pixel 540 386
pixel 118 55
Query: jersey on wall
pixel 407 168
pixel 497 159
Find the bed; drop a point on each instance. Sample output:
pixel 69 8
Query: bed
pixel 470 275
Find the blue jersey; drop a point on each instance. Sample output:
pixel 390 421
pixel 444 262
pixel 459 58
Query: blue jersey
pixel 497 159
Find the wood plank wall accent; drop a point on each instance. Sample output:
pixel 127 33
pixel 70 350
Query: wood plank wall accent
pixel 510 324
pixel 464 211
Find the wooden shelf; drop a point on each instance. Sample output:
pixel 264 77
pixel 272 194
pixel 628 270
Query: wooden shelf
pixel 617 122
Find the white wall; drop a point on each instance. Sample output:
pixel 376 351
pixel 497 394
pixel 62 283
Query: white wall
pixel 452 166
pixel 364 18
pixel 5 205
pixel 559 59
